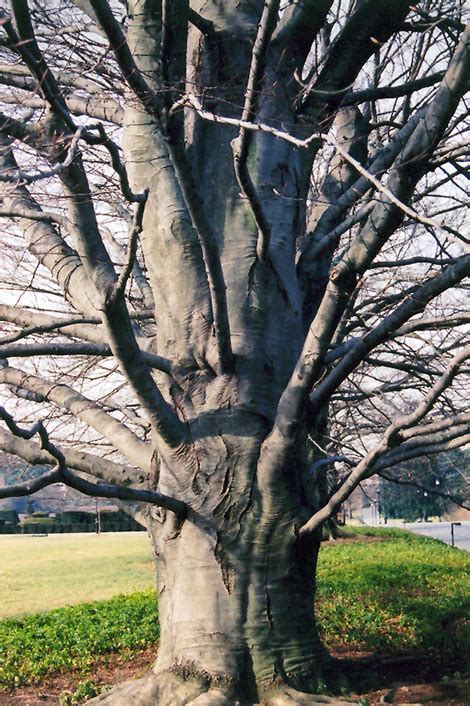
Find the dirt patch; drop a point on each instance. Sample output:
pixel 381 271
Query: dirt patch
pixel 454 693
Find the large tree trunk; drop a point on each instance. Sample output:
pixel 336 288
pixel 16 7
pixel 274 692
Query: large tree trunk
pixel 235 587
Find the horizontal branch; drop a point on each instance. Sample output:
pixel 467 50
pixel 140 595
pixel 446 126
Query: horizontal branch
pixel 405 89
pixel 92 106
pixel 10 350
pixel 407 453
pixel 15 175
pixel 425 488
pixel 61 474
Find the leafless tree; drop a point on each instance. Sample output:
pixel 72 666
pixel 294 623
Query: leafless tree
pixel 235 251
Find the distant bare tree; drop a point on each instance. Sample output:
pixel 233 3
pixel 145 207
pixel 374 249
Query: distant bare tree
pixel 235 251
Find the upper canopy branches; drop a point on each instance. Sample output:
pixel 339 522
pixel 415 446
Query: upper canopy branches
pixel 254 200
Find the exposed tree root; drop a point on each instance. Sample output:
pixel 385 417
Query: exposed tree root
pixel 163 689
pixel 167 689
pixel 286 696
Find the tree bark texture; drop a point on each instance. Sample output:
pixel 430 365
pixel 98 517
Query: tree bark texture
pixel 236 586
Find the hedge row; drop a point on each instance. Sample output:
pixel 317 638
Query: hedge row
pixel 63 528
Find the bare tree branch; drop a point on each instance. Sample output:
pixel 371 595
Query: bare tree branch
pixel 369 94
pixel 393 322
pixel 111 471
pixel 85 409
pixel 130 71
pixel 74 349
pixel 61 474
pixel 391 438
pixel 241 145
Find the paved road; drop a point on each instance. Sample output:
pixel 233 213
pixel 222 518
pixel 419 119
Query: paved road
pixel 441 530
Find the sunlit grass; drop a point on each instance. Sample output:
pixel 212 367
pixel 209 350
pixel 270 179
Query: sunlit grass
pixel 41 573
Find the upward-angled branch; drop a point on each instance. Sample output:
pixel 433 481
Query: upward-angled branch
pixel 115 315
pixel 136 227
pixel 122 438
pixel 413 305
pixel 212 263
pixel 124 58
pixel 296 31
pixel 110 471
pixel 24 43
pixel 175 221
pixel 241 145
pixel 389 211
pixel 390 439
pixel 313 244
pixel 381 223
pixel 43 239
pixel 373 23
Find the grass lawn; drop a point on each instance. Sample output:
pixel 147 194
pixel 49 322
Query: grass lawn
pixel 41 573
pixel 406 593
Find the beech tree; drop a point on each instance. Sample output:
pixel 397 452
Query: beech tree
pixel 232 229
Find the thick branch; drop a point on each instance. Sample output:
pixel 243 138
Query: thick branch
pixel 370 94
pixel 407 453
pixel 73 349
pixel 24 43
pixel 296 31
pixel 413 305
pixel 122 438
pixel 374 21
pixel 61 474
pixel 92 106
pixel 110 471
pixel 124 58
pixel 115 315
pixel 44 241
pixel 37 322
